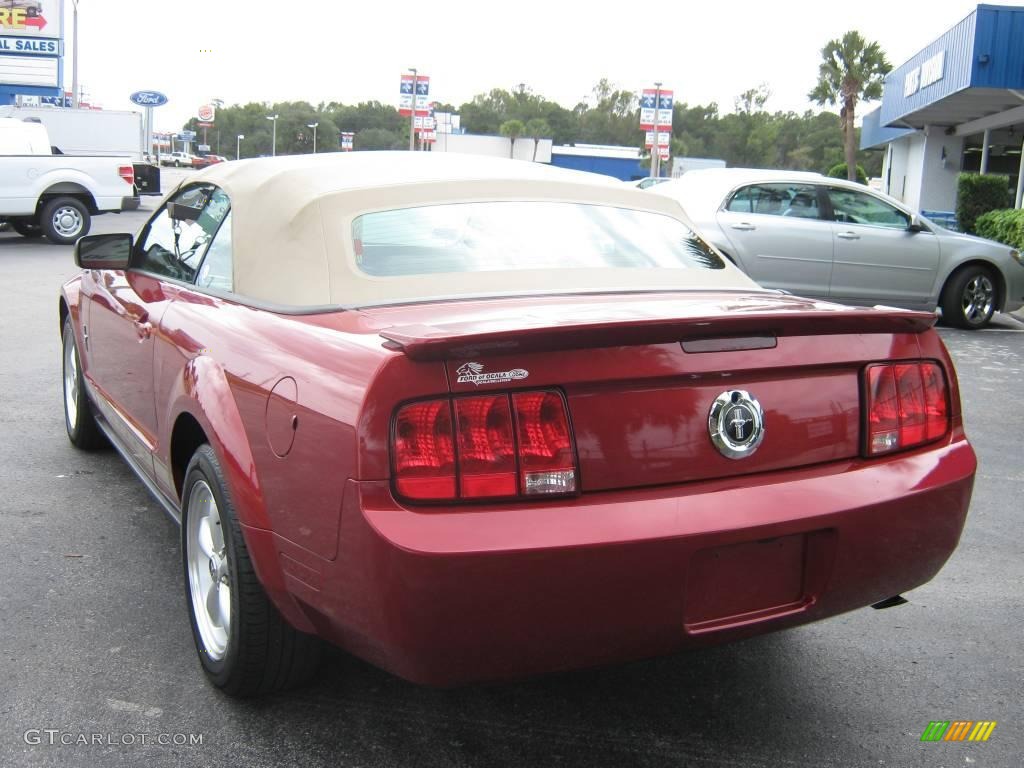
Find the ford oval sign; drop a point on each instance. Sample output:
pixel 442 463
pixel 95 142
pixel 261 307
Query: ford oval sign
pixel 148 98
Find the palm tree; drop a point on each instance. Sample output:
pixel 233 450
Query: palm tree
pixel 852 69
pixel 513 129
pixel 537 128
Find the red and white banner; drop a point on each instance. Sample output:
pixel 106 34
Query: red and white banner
pixel 347 140
pixel 410 85
pixel 656 103
pixel 664 139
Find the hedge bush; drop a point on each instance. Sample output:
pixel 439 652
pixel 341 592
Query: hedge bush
pixel 838 171
pixel 976 195
pixel 1006 226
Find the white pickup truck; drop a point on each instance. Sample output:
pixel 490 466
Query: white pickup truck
pixel 56 195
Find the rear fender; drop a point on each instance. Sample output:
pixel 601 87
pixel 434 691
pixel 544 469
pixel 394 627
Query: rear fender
pixel 202 391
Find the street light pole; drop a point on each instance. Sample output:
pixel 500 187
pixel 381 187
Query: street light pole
pixel 238 146
pixel 656 149
pixel 313 126
pixel 412 117
pixel 273 144
pixel 74 61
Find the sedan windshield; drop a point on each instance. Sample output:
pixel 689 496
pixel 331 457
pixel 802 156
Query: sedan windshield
pixel 501 236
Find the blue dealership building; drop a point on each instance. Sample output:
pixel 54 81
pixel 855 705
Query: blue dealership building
pixel 957 105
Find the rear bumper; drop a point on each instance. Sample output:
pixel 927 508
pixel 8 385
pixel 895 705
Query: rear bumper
pixel 448 596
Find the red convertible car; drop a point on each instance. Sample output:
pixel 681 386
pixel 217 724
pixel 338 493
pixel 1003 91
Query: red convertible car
pixel 473 419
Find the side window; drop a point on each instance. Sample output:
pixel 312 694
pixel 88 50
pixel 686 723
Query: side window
pixel 216 270
pixel 176 239
pixel 800 200
pixel 852 207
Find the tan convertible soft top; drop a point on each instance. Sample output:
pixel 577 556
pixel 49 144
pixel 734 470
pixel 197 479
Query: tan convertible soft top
pixel 292 220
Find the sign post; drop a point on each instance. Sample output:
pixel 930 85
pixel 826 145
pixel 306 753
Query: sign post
pixel 409 104
pixel 148 100
pixel 655 114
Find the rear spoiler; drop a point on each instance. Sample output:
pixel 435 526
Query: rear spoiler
pixel 460 340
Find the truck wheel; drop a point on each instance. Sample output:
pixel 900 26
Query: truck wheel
pixel 27 228
pixel 64 220
pixel 245 646
pixel 969 298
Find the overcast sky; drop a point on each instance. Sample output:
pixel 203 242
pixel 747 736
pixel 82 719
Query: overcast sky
pixel 326 50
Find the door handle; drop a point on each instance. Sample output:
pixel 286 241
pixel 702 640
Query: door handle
pixel 848 235
pixel 743 226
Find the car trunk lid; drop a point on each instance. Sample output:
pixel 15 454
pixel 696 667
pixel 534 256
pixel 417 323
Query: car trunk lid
pixel 641 373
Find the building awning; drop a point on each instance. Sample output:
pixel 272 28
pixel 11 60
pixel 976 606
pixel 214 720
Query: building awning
pixel 974 70
pixel 873 134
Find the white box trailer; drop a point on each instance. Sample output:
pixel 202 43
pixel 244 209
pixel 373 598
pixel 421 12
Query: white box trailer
pixel 96 132
pixel 681 165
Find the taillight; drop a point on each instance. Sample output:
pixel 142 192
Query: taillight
pixel 424 451
pixel 487 450
pixel 547 461
pixel 127 172
pixel 907 405
pixel 494 446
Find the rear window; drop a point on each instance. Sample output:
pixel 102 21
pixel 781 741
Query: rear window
pixel 502 236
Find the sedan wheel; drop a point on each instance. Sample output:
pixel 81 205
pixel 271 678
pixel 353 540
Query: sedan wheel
pixel 244 645
pixel 969 300
pixel 208 571
pixel 83 432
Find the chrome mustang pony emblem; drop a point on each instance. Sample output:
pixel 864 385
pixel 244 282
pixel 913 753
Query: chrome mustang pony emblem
pixel 736 424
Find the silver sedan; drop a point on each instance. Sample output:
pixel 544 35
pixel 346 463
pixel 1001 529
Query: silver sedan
pixel 816 236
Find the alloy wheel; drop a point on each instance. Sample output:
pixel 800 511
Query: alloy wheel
pixel 978 299
pixel 208 571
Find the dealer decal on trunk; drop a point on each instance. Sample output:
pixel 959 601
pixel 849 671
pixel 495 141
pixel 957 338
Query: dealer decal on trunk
pixel 473 373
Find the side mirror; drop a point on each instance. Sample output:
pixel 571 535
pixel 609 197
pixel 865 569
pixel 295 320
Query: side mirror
pixel 104 251
pixel 916 225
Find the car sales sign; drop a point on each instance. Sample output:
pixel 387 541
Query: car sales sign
pixel 31 33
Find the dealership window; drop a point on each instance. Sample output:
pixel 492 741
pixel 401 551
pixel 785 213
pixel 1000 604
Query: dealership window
pixel 799 200
pixel 852 207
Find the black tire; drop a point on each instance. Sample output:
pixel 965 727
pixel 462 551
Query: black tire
pixel 969 298
pixel 64 220
pixel 83 431
pixel 28 229
pixel 263 653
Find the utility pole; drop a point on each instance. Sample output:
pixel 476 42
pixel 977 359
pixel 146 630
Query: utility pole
pixel 655 149
pixel 74 61
pixel 313 126
pixel 238 146
pixel 273 145
pixel 412 117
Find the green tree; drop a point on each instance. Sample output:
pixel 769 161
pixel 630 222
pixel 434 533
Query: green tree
pixel 851 70
pixel 513 129
pixel 537 128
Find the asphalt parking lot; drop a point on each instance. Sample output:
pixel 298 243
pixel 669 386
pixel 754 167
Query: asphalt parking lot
pixel 94 639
